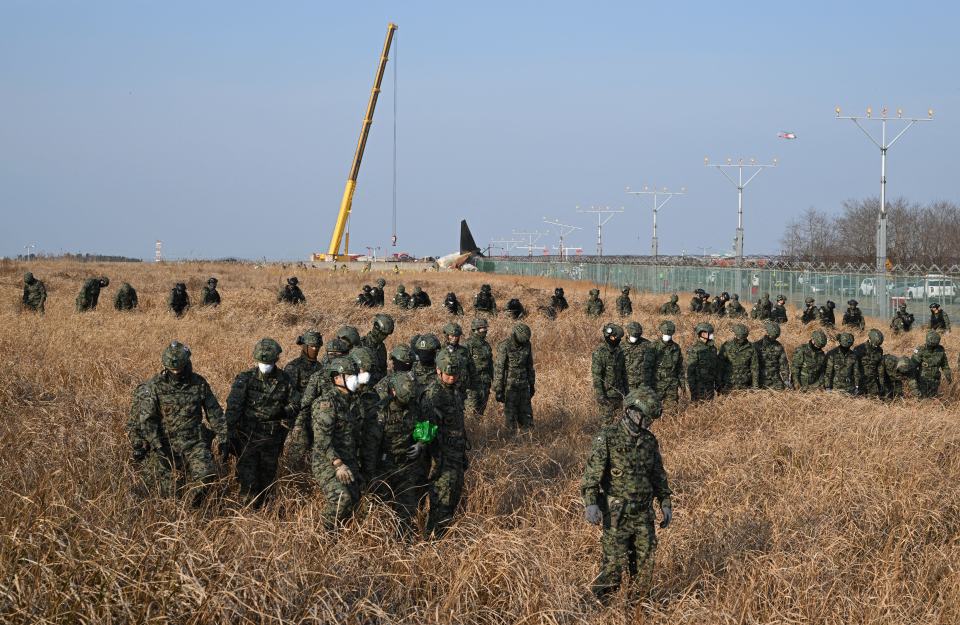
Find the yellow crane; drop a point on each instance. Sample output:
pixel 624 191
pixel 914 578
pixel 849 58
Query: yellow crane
pixel 333 252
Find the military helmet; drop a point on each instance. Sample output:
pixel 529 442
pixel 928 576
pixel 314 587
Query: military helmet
pixel 428 342
pixel 448 363
pixel 367 288
pixel 176 356
pixel 667 327
pixel 735 297
pixel 338 346
pixel 485 288
pixel 310 338
pixel 479 323
pixel 342 365
pixel 401 288
pixel 845 339
pixel 674 298
pixel 104 281
pixel 933 338
pixel 383 323
pixel 646 402
pixel 703 327
pixel 934 305
pixel 698 291
pixel 818 338
pixel 364 357
pixel 633 329
pixel 212 281
pixel 349 334
pixel 402 353
pixel 740 331
pixel 725 295
pixel 612 331
pixel 417 289
pixel 28 277
pixel 781 298
pixel 875 337
pixel 830 304
pixel 521 333
pixel 902 308
pixel 381 283
pixel 558 291
pixel 293 281
pixel 267 351
pixel 452 329
pixel 404 388
pixel 181 286
pixel 905 365
pixel 852 303
pixel 704 295
pixel 594 292
pixel 772 329
pixel 766 296
pixel 625 289
pixel 809 300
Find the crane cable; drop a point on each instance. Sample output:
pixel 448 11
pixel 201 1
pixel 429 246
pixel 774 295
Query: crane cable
pixel 396 50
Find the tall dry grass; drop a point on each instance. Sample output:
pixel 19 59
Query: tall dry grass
pixel 790 508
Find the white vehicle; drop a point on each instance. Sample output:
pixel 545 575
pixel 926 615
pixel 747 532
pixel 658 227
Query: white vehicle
pixel 868 286
pixel 933 287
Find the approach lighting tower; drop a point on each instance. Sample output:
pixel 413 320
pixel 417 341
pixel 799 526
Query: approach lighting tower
pixel 532 236
pixel 657 205
pixel 601 221
pixel 564 230
pixel 740 185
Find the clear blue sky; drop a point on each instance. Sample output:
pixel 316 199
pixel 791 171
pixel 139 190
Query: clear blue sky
pixel 227 128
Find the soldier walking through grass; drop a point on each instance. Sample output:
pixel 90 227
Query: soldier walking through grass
pixel 608 371
pixel 34 293
pixel 481 353
pixel 442 404
pixel 739 361
pixel 89 294
pixel 514 379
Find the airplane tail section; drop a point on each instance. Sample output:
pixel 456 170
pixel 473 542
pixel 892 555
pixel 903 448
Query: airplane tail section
pixel 467 244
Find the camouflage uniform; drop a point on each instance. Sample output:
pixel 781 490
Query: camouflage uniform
pixel 671 307
pixel 366 403
pixel 425 367
pixel 90 293
pixel 514 379
pixel 826 316
pixel 454 333
pixel 809 313
pixel 870 355
pixel 481 353
pixel 383 326
pixel 635 351
pixel 349 334
pixel 402 298
pixel 853 317
pixel 900 377
pixel 261 409
pixel 623 475
pixel 665 367
pixel 377 292
pixel 484 300
pixel 452 304
pixel 442 404
pixel 300 370
pixel 739 361
pixel 317 385
pixel 703 365
pixel 125 298
pixel 779 311
pixel 609 372
pixel 179 301
pixel 365 298
pixel 809 363
pixel 902 320
pixel 420 299
pixel 170 411
pixel 696 302
pixel 209 296
pixel 291 293
pixel 939 319
pixel 762 309
pixel 735 309
pixel 774 369
pixel 34 293
pixel 515 309
pixel 558 301
pixel 594 304
pixel 842 371
pixel 624 305
pixel 930 359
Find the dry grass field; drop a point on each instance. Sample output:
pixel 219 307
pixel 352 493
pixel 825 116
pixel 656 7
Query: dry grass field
pixel 789 508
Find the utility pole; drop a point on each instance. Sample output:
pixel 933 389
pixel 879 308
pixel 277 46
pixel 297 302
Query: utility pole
pixel 884 145
pixel 601 222
pixel 740 184
pixel 657 205
pixel 532 237
pixel 564 230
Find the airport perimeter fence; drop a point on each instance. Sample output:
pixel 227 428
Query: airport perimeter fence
pixel 914 285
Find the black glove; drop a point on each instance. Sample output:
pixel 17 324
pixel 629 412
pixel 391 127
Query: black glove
pixel 593 515
pixel 500 397
pixel 666 507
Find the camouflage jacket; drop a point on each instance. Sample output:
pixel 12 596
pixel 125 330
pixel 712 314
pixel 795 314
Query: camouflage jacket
pixel 373 340
pixel 172 412
pixel 594 306
pixel 443 406
pixel 485 302
pixel 898 384
pixel 424 375
pixel 809 314
pixel 334 423
pixel 741 365
pixel 696 304
pixel 401 300
pixel 703 370
pixel 291 294
pixel 609 371
pixel 454 307
pixel 209 296
pixel 930 362
pixel 940 321
pixel 774 370
pixel 125 298
pixel 761 310
pixel 559 303
pixel 391 435
pixel 670 308
pixel 871 368
pixel 624 306
pixel 468 377
pixel 513 368
pixel 89 295
pixel 735 309
pixel 299 370
pixel 624 469
pixel 35 295
pixel 778 313
pixel 809 363
pixel 178 301
pixel 262 404
pixel 853 318
pixel 634 355
pixel 664 365
pixel 842 371
pixel 902 322
pixel 481 353
pixel 420 300
pixel 826 316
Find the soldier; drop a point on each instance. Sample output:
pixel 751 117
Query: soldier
pixel 809 313
pixel 515 309
pixel 425 367
pixel 366 403
pixel 870 355
pixel 825 315
pixel 779 311
pixel 774 369
pixel 484 300
pixel 939 319
pixel 452 332
pixel 365 298
pixel 349 334
pixel 419 299
pixel 594 306
pixel 442 404
pixel 336 467
pixel 665 366
pixel 374 341
pixel 739 361
pixel 261 409
pixel 735 309
pixel 481 353
pixel 452 304
pixel 291 293
pixel 671 307
pixel 809 363
pixel 125 298
pixel 719 305
pixel 34 293
pixel 317 385
pixel 377 292
pixel 902 320
pixel 635 350
pixel 300 370
pixel 842 372
pixel 853 316
pixel 401 361
pixel 402 298
pixel 558 301
pixel 900 377
pixel 762 309
pixel 624 474
pixel 696 302
pixel 209 296
pixel 179 301
pixel 90 293
pixel 336 348
pixel 609 372
pixel 514 380
pixel 703 365
pixel 930 359
pixel 624 305
pixel 170 422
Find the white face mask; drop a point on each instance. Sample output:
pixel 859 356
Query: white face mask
pixel 352 383
pixel 710 337
pixel 264 367
pixel 363 378
pixel 667 337
pixel 632 339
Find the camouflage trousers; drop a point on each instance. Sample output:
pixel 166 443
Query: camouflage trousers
pixel 669 395
pixel 773 382
pixel 610 409
pixel 84 305
pixel 169 473
pixel 517 409
pixel 928 387
pixel 478 396
pixel 702 393
pixel 629 542
pixel 871 387
pixel 403 486
pixel 299 445
pixel 258 459
pixel 445 492
pixel 340 499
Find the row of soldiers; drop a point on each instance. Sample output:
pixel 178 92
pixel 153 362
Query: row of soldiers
pixel 35 295
pixel 398 433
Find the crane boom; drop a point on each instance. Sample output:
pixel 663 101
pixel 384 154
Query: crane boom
pixel 347 202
